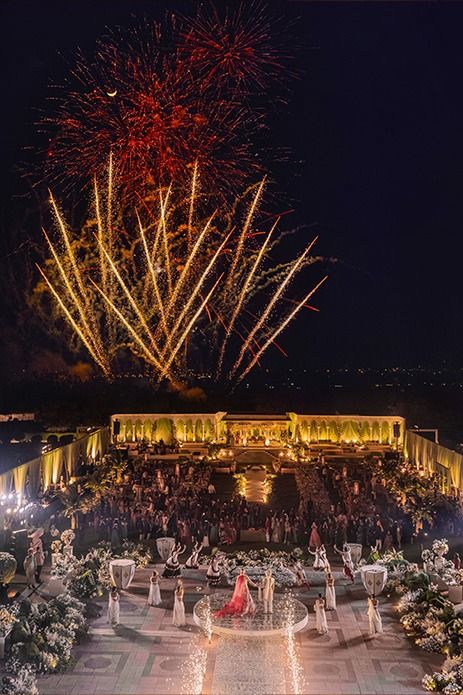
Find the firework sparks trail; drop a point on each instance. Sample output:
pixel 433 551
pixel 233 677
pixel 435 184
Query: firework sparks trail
pixel 280 329
pixel 244 231
pixel 242 296
pixel 152 275
pixel 276 296
pixel 146 351
pixel 90 335
pixel 131 300
pixel 73 323
pixel 131 295
pixel 295 669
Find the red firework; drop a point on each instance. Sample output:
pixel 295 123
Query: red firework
pixel 162 97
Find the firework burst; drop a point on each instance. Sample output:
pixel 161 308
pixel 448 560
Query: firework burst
pixel 185 279
pixel 162 97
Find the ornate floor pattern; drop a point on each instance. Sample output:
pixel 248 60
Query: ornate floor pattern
pixel 146 654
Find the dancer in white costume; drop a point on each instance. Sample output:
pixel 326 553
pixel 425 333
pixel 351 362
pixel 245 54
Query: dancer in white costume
pixel 330 593
pixel 154 596
pixel 268 587
pixel 346 555
pixel 301 577
pixel 320 616
pixel 374 618
pixel 192 562
pixel 213 571
pixel 321 560
pixel 178 616
pixel 113 607
pixel 172 566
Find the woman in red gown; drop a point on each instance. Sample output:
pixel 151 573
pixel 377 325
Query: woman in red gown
pixel 241 603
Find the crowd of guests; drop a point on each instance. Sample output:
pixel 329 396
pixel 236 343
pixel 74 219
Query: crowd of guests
pixel 175 499
pixel 178 499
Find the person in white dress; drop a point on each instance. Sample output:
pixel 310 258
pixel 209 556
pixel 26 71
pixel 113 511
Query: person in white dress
pixel 154 596
pixel 113 607
pixel 330 593
pixel 178 616
pixel 30 568
pixel 374 618
pixel 320 616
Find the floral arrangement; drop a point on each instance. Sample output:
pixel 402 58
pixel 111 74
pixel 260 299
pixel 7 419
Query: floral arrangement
pixel 7 618
pixel 89 577
pixel 56 546
pixel 449 680
pixel 440 547
pixel 24 682
pixel 436 563
pixel 256 562
pixel 7 568
pixel 68 536
pixel 44 635
pixel 427 616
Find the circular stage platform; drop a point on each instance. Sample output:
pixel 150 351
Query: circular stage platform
pixel 258 625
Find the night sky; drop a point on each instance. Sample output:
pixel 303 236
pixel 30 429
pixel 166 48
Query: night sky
pixel 375 127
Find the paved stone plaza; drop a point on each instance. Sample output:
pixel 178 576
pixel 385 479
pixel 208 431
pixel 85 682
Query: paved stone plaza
pixel 146 654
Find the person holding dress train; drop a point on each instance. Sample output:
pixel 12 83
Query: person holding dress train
pixel 374 618
pixel 320 616
pixel 113 607
pixel 178 616
pixel 154 596
pixel 330 593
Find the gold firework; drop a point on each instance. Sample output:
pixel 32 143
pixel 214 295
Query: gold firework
pixel 178 277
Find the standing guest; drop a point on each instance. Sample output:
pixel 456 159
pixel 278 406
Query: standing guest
pixel 113 607
pixel 30 568
pixel 320 616
pixel 115 538
pixel 330 593
pixel 178 616
pixel 39 559
pixel 154 595
pixel 374 618
pixel 456 561
pixel 314 539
